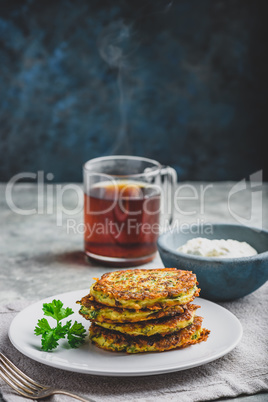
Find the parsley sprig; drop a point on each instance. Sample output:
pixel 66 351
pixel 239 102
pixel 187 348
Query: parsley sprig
pixel 50 336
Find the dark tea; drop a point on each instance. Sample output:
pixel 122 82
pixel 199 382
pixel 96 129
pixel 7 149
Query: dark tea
pixel 122 221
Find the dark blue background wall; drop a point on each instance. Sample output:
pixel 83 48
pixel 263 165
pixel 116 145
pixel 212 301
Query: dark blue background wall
pixel 183 82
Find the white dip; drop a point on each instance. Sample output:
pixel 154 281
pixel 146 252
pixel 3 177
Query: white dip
pixel 217 248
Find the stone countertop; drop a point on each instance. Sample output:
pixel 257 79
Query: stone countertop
pixel 41 248
pixel 42 252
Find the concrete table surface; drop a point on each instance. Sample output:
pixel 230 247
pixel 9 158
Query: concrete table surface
pixel 41 241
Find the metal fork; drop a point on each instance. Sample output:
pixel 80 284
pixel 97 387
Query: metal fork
pixel 25 385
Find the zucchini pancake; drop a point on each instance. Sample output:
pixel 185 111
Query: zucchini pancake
pixel 144 310
pixel 145 288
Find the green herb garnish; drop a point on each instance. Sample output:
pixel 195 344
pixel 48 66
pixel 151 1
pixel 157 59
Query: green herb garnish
pixel 94 313
pixel 75 332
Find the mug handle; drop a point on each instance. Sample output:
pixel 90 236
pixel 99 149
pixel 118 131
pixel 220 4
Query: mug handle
pixel 169 181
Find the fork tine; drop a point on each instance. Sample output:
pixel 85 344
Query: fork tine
pixel 13 376
pixel 14 385
pixel 25 385
pixel 19 374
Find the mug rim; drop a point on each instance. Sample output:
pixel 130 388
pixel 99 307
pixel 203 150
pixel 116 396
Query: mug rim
pixel 155 171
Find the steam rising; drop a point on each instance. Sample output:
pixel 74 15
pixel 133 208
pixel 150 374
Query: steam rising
pixel 114 49
pixel 116 46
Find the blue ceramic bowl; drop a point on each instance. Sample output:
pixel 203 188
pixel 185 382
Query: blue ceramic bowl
pixel 220 279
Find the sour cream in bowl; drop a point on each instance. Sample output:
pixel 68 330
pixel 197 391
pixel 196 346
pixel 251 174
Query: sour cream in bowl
pixel 217 248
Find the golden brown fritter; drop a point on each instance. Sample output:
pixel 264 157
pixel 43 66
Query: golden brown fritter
pixel 161 326
pixel 94 311
pixel 115 341
pixel 145 288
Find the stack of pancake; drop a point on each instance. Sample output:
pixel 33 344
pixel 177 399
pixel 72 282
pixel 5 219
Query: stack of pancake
pixel 141 310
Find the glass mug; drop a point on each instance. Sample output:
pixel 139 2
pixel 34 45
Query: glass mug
pixel 123 200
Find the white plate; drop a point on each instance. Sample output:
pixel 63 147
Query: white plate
pixel 226 332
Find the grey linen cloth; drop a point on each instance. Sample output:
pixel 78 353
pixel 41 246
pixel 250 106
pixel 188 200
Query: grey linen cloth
pixel 243 371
